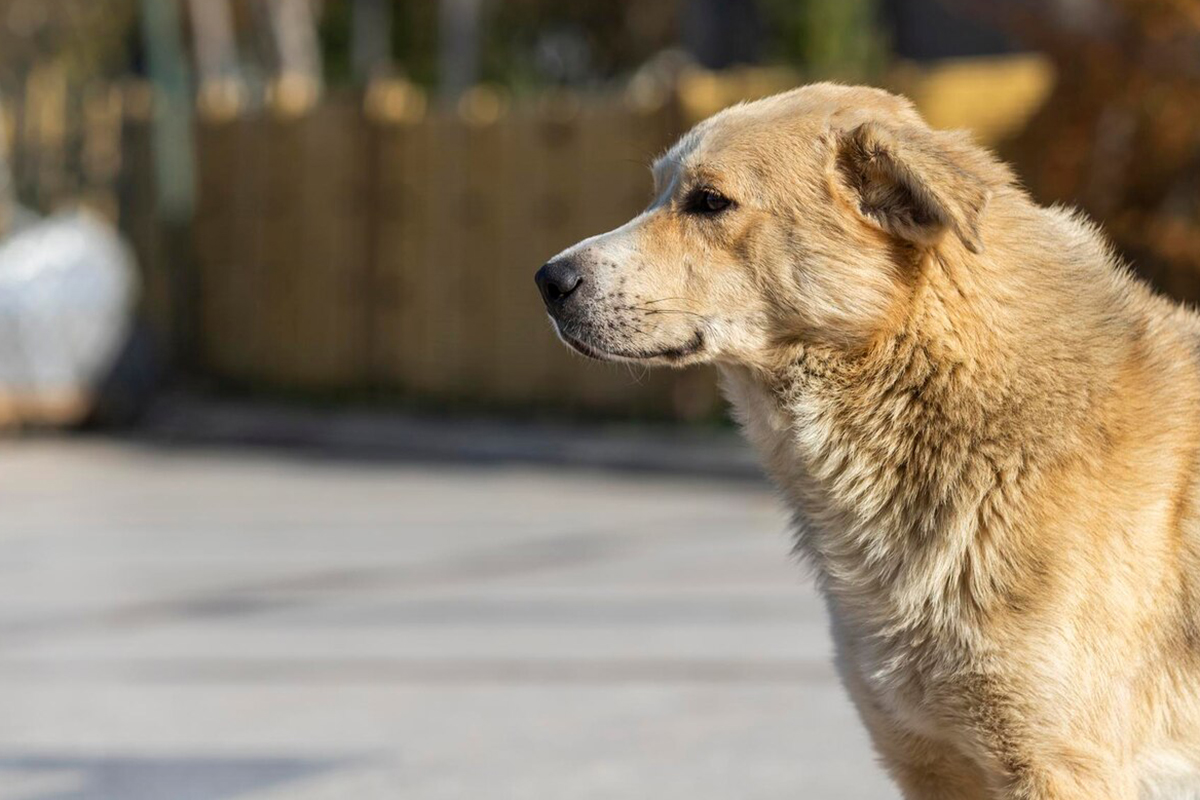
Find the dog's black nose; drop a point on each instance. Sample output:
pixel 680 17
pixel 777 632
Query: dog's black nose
pixel 556 280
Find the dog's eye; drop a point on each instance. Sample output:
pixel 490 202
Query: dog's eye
pixel 707 201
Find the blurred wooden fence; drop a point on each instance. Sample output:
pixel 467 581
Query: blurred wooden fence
pixel 385 246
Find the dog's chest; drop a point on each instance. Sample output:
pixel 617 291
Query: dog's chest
pixel 762 421
pixel 910 681
pixel 907 675
pixel 1169 773
pixel 772 430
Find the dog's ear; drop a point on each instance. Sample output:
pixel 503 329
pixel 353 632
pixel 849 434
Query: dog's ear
pixel 907 182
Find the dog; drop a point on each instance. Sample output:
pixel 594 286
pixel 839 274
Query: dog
pixel 987 429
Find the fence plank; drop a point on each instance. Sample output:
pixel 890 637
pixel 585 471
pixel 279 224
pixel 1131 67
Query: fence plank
pixel 399 237
pixel 486 189
pixel 438 283
pixel 285 233
pixel 138 217
pixel 215 237
pixel 327 310
pixel 235 289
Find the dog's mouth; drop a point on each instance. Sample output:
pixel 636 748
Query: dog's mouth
pixel 690 347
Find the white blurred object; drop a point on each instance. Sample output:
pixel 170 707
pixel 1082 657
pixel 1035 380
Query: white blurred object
pixel 67 291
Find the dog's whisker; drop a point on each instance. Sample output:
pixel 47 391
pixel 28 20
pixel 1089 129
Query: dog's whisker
pixel 665 311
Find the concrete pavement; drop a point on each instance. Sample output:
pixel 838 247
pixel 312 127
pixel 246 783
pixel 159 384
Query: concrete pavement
pixel 249 625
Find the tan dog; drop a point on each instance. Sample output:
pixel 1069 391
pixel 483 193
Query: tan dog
pixel 987 429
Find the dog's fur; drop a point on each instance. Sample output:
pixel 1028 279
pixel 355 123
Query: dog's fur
pixel 987 429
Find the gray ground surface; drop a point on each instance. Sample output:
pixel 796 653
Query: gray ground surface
pixel 210 625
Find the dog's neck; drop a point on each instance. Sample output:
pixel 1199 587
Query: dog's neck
pixel 908 463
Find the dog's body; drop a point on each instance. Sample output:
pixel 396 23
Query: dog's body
pixel 988 432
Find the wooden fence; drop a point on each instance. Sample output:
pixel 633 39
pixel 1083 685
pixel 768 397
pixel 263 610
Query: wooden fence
pixel 382 246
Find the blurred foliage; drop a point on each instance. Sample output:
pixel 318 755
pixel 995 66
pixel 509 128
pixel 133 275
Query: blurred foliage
pixel 335 32
pixel 528 42
pixel 827 38
pixel 524 43
pixel 1119 135
pixel 414 39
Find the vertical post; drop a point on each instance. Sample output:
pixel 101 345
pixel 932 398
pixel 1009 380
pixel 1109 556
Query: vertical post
pixel 458 62
pixel 371 43
pixel 163 34
pixel 216 56
pixel 174 169
pixel 294 29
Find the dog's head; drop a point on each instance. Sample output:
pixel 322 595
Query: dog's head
pixel 794 219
